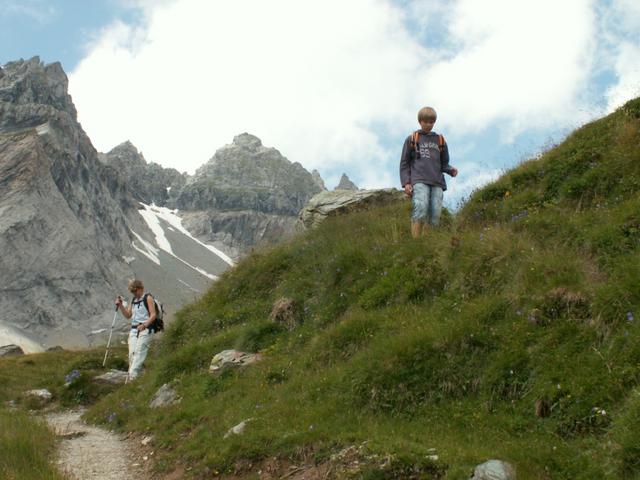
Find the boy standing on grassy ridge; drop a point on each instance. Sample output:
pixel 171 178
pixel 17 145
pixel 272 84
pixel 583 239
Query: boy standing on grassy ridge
pixel 424 160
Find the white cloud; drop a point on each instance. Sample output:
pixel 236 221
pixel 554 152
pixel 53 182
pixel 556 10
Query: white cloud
pixel 627 69
pixel 305 77
pixel 314 78
pixel 520 63
pixel 622 25
pixel 464 185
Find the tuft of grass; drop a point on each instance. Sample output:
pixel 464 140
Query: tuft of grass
pixel 27 448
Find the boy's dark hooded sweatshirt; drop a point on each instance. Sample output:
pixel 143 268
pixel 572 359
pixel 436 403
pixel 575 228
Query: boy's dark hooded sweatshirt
pixel 427 165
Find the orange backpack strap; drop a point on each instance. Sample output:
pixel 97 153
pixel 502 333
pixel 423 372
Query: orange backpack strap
pixel 441 143
pixel 414 140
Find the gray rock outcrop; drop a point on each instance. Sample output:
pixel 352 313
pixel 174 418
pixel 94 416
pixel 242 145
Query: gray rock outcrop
pixel 315 174
pixel 63 215
pixel 149 182
pixel 249 176
pixel 10 351
pixel 246 195
pixel 232 359
pixel 72 227
pixel 346 183
pixel 341 202
pixel 236 232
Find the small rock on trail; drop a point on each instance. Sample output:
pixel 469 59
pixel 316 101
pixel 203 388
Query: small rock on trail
pixel 92 453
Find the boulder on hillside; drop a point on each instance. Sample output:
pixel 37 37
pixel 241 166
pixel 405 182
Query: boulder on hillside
pixel 494 470
pixel 10 350
pixel 285 312
pixel 340 202
pixel 238 429
pixel 41 395
pixel 165 396
pixel 232 359
pixel 113 377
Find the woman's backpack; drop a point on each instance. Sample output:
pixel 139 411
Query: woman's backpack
pixel 158 323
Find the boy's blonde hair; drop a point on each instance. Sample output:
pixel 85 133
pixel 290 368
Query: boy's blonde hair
pixel 427 113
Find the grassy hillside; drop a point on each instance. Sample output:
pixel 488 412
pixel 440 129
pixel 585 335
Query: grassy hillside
pixel 511 332
pixel 27 447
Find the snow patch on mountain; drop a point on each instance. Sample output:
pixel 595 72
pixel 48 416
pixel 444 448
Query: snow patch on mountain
pixel 148 250
pixel 152 215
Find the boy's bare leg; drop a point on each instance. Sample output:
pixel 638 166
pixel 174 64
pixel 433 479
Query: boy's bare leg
pixel 416 229
pixel 425 229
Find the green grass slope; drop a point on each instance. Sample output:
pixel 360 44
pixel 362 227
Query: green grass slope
pixel 511 332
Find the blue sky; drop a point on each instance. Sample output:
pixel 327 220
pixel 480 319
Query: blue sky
pixel 335 85
pixel 55 31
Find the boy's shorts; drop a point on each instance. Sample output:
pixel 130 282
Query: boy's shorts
pixel 427 204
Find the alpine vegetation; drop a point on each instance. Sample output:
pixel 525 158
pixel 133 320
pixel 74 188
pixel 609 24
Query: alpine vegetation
pixel 505 339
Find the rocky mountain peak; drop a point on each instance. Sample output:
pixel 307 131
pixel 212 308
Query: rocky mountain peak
pixel 127 152
pixel 149 182
pixel 248 141
pixel 246 175
pixel 64 215
pixel 315 174
pixel 31 82
pixel 346 183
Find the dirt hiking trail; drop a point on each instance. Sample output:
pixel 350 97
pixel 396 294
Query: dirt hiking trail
pixel 87 452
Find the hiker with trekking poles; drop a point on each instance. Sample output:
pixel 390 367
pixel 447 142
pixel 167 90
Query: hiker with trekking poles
pixel 145 315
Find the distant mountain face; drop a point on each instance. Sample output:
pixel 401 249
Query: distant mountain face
pixel 72 231
pixel 76 225
pixel 63 227
pixel 149 183
pixel 246 195
pixel 346 183
pixel 246 175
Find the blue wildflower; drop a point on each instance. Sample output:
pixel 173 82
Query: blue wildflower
pixel 72 376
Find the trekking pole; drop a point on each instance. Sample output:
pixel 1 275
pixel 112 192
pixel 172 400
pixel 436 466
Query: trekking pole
pixel 104 362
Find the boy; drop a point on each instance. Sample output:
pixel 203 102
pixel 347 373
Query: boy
pixel 425 157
